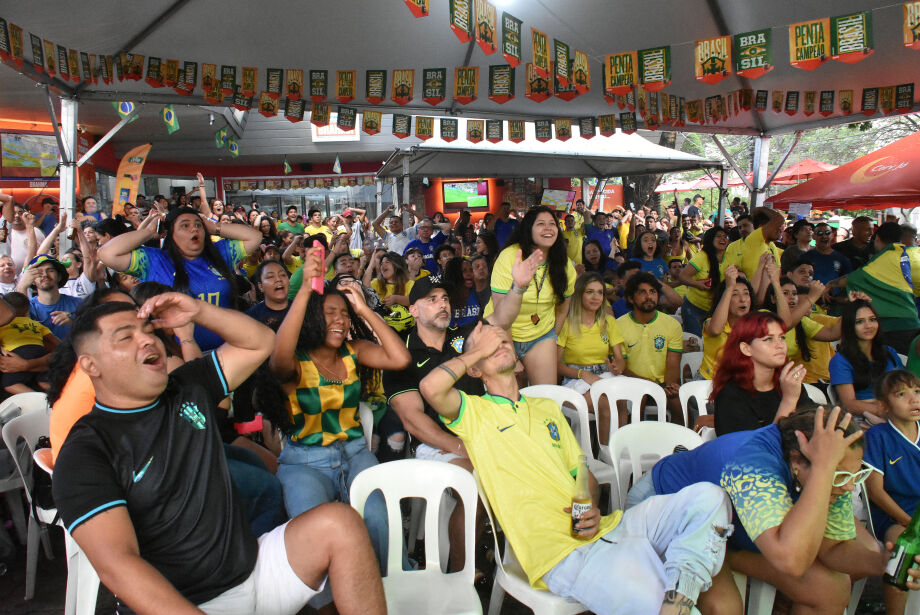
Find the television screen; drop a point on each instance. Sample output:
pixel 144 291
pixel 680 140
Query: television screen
pixel 24 155
pixel 472 194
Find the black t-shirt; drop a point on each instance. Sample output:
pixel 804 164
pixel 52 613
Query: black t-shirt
pixel 737 410
pixel 165 463
pixel 267 316
pixel 423 359
pixel 858 256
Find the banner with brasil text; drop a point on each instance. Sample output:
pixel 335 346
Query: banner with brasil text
pixel 128 177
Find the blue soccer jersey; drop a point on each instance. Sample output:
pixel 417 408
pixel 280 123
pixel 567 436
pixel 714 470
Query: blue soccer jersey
pixel 897 457
pixel 204 281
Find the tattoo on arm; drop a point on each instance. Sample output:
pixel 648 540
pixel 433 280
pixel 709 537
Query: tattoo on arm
pixel 449 371
pixel 677 603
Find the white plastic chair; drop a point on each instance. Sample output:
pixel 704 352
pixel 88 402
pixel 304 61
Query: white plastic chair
pixel 691 336
pixel 642 445
pixel 11 485
pixel 581 426
pixel 759 599
pixel 832 398
pixel 367 423
pixel 903 359
pixel 427 590
pixel 814 394
pixel 692 360
pixel 700 390
pixel 633 391
pixel 510 578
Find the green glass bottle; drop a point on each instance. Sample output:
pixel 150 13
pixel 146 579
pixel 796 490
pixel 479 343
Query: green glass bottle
pixel 902 558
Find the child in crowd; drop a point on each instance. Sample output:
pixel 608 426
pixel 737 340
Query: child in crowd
pixel 892 451
pixel 27 339
pixel 650 254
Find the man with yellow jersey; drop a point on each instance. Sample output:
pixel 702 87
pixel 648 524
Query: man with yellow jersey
pixel 671 546
pixel 745 253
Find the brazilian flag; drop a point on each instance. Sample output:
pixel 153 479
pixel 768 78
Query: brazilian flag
pixel 220 137
pixel 890 279
pixel 287 167
pixel 124 108
pixel 233 146
pixel 170 119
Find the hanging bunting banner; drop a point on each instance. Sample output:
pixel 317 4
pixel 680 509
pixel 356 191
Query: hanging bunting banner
pixel 293 86
pixel 461 19
pixel 375 88
pixel 777 100
pixel 189 76
pixel 38 53
pixel 563 126
pixel 179 88
pixel 713 59
pixel 681 112
pixel 319 85
pixel 475 129
pixel 268 104
pixel 208 77
pixel 761 100
pixel 241 101
pixel 345 85
pixel 904 97
pixel 121 63
pixel 88 68
pixel 320 114
pixel 851 37
pixel 154 76
pixel 561 63
pixel 642 103
pixel 402 125
pixel 711 107
pixel 170 119
pixel 536 88
pixel 346 118
pixel 274 80
pixel 694 112
pixel 370 122
pixel 540 45
pixel 869 101
pixel 501 83
pixel 511 39
pixel 587 127
pixel 581 72
pixel 171 74
pixel 293 109
pixel 62 63
pixel 515 131
pixel 73 61
pixel 4 41
pixel 50 59
pixel 886 99
pixel 543 130
pixel 608 97
pixel 810 43
pixel 449 129
pixel 249 79
pixel 486 26
pixel 607 124
pixel 653 105
pixel 227 79
pixel 628 123
pixel 654 68
pixel 826 103
pixel 15 43
pixel 418 8
pixel 846 101
pixel 434 85
pixel 215 98
pixel 233 147
pixel 753 54
pixel 466 84
pixel 424 127
pixel 811 100
pixel 912 24
pixel 792 102
pixel 403 86
pixel 566 92
pixel 495 131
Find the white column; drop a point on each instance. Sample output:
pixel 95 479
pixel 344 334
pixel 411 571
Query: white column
pixel 69 168
pixel 761 164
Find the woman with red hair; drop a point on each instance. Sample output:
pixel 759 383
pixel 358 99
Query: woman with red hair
pixel 753 384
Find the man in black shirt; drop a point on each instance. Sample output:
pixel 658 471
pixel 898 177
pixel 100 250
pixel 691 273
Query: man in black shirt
pixel 859 247
pixel 142 483
pixel 431 342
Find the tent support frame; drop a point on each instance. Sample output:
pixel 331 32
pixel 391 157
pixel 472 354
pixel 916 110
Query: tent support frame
pixel 731 161
pixel 105 139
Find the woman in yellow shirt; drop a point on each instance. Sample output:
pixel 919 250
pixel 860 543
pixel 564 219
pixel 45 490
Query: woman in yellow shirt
pixel 392 283
pixel 590 346
pixel 532 283
pixel 733 301
pixel 701 276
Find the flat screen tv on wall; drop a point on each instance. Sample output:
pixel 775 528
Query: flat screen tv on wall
pixel 460 195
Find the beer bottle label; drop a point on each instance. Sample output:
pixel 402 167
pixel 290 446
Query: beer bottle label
pixel 578 508
pixel 894 564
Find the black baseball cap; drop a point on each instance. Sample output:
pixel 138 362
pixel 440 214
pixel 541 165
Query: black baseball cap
pixel 423 286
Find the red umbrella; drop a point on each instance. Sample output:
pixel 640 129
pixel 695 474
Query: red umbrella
pixel 888 177
pixel 805 169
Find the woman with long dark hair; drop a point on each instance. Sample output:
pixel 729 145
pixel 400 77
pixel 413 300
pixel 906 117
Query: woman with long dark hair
pixel 594 259
pixel 532 283
pixel 269 232
pixel 464 302
pixel 753 384
pixel 861 360
pixel 487 245
pixel 327 358
pixel 188 262
pixel 702 276
pixel 733 301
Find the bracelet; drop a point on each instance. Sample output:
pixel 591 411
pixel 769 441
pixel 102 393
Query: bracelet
pixel 519 291
pixel 579 374
pixel 191 341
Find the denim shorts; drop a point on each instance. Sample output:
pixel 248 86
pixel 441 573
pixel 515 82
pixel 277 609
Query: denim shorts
pixel 522 348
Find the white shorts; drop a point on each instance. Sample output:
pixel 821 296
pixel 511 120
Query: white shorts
pixel 273 588
pixel 423 451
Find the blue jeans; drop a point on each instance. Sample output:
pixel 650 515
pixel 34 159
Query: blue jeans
pixel 667 542
pixel 258 490
pixel 522 348
pixel 693 318
pixel 314 475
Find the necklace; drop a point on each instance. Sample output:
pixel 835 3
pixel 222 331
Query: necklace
pixel 533 317
pixel 325 371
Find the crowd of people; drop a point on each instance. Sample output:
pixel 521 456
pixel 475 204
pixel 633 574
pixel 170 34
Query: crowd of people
pixel 213 373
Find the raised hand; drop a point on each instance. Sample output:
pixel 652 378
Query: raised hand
pixel 354 294
pixel 170 310
pixel 731 275
pixel 790 379
pixel 828 444
pixel 522 271
pixel 313 263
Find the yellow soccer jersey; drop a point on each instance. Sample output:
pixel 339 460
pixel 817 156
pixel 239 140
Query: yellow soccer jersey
pixel 647 346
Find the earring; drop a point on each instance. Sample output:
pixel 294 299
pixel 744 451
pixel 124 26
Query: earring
pixel 796 483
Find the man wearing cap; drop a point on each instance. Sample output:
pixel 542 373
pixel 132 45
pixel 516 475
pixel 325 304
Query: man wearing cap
pixel 46 220
pixel 49 306
pixel 432 342
pixel 354 221
pixel 292 222
pixel 18 237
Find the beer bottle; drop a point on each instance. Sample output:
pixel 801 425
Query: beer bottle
pixel 581 498
pixel 902 558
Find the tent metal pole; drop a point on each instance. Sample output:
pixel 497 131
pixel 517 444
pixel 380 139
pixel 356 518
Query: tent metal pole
pixel 779 167
pixel 760 163
pixel 378 197
pixel 731 161
pixel 722 198
pixel 68 173
pixel 601 182
pixel 105 139
pixel 405 178
pixel 63 151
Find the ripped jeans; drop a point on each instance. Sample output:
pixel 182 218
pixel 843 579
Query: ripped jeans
pixel 664 543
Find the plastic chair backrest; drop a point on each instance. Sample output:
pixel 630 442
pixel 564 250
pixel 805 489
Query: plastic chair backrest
pixel 632 390
pixel 832 398
pixel 29 426
pixel 814 394
pixel 693 360
pixel 12 407
pixel 367 423
pixel 562 395
pixel 418 478
pixel 692 336
pixel 488 508
pixel 698 390
pixel 903 359
pixel 645 439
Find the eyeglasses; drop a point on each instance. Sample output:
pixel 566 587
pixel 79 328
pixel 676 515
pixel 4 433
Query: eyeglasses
pixel 820 233
pixel 842 478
